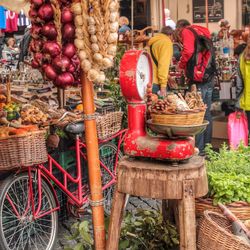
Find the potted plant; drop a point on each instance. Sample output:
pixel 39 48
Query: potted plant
pixel 229 181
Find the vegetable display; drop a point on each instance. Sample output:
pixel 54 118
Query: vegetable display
pixel 68 36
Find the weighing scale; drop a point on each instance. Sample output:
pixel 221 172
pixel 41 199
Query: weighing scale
pixel 135 73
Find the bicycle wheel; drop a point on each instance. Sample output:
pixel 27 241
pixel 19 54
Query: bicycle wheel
pixel 107 153
pixel 24 233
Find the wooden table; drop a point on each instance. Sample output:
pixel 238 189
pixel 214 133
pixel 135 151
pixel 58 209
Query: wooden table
pixel 160 180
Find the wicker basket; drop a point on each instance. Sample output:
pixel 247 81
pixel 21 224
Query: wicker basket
pixel 23 150
pixel 108 124
pixel 215 233
pixel 179 119
pixel 240 209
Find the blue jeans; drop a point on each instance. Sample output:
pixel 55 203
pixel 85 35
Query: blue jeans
pixel 204 138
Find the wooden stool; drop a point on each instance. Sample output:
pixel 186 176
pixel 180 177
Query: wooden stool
pixel 160 180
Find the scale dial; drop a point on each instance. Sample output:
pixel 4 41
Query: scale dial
pixel 135 74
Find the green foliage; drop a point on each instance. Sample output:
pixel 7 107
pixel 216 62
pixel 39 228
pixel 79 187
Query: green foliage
pixel 228 174
pixel 113 85
pixel 147 230
pixel 81 234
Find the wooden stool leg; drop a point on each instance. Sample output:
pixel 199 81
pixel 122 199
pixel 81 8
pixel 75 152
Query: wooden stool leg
pixel 187 222
pixel 115 221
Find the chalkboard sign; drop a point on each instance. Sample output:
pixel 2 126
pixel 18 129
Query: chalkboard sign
pixel 215 11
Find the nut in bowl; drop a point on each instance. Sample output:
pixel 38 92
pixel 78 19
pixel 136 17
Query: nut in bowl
pixel 172 131
pixel 176 109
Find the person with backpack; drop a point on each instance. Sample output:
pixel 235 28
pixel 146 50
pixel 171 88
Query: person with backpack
pixel 161 51
pixel 197 62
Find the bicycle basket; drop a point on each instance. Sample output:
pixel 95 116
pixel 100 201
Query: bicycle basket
pixel 23 150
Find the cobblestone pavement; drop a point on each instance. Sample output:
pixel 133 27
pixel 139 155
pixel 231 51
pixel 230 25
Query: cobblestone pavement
pixel 133 204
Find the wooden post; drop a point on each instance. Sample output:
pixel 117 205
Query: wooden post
pixel 186 208
pixel 206 7
pixel 116 220
pixel 94 171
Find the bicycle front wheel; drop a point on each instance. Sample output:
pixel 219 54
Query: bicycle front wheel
pixel 18 229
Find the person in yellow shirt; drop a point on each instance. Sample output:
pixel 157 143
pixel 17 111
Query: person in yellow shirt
pixel 161 51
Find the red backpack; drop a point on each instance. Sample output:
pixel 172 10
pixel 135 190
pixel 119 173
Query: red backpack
pixel 201 66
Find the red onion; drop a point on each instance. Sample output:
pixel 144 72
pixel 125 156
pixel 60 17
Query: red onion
pixel 38 57
pixel 71 68
pixel 35 64
pixel 65 79
pixel 67 16
pixel 37 3
pixel 61 63
pixel 76 62
pixel 52 48
pixel 32 13
pixel 49 30
pixel 35 31
pixel 46 12
pixel 36 45
pixel 69 50
pixel 68 31
pixel 50 72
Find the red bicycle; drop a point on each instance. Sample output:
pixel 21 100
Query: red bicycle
pixel 28 201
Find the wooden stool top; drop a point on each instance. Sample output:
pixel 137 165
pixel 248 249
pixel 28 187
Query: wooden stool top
pixel 161 180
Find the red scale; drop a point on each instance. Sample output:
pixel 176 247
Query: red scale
pixel 135 74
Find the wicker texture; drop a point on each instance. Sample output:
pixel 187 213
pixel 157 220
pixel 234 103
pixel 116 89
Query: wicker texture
pixel 108 124
pixel 215 233
pixel 179 119
pixel 23 151
pixel 240 209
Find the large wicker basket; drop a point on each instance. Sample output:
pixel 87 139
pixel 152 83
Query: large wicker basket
pixel 109 124
pixel 240 209
pixel 23 150
pixel 215 233
pixel 179 119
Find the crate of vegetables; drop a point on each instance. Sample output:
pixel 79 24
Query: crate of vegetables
pixel 176 109
pixel 21 147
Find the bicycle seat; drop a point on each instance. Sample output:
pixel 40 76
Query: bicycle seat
pixel 75 128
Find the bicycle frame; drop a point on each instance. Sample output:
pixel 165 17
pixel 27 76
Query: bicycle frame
pixel 78 198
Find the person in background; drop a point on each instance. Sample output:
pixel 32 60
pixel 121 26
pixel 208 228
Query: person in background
pixel 187 39
pixel 24 45
pixel 161 51
pixel 10 51
pixel 224 29
pixel 123 23
pixel 168 20
pixel 243 82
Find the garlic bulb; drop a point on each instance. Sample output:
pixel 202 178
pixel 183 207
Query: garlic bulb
pixel 113 6
pixel 91 20
pixel 112 38
pixel 79 43
pixel 93 75
pixel 79 33
pixel 76 8
pixel 114 27
pixel 98 58
pixel 112 50
pixel 113 16
pixel 91 29
pixel 78 21
pixel 82 55
pixel 93 39
pixel 107 62
pixel 86 65
pixel 101 78
pixel 95 47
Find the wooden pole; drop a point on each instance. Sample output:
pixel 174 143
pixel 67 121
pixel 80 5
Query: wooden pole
pixel 94 171
pixel 206 6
